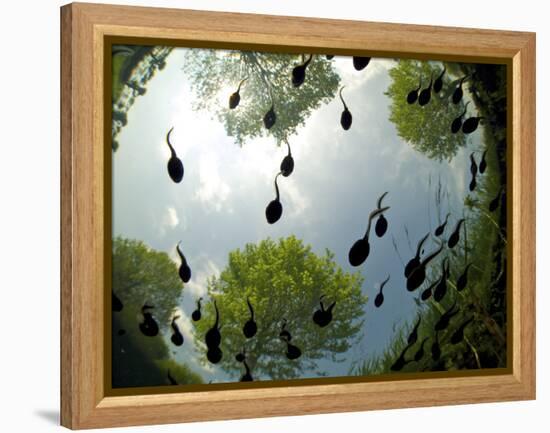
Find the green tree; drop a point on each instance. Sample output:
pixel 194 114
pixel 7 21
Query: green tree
pixel 215 74
pixel 141 275
pixel 282 280
pixel 427 128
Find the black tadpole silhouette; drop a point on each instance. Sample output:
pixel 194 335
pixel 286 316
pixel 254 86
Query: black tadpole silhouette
pixel 463 279
pixel 346 118
pixel 493 205
pixel 473 171
pixel 471 124
pixel 213 339
pixel 426 94
pixel 184 269
pixel 415 261
pixel 441 228
pixel 413 336
pixel 287 164
pixel 322 316
pixel 329 56
pixel 117 305
pixel 121 332
pixel 379 300
pixel 456 125
pixel 483 163
pixel 446 317
pixel 458 335
pixel 171 379
pixel 400 362
pixel 455 235
pixel 458 93
pixel 427 293
pixel 235 97
pixel 438 83
pixel 418 275
pixel 360 63
pixel 246 377
pixel 299 73
pixel 177 336
pixel 250 328
pixel 436 349
pixel 270 117
pixel 274 209
pixel 441 288
pixel 292 351
pixel 175 166
pixel 412 97
pixel 241 357
pixel 149 326
pixel 381 225
pixel 196 315
pixel 360 250
pixel 420 352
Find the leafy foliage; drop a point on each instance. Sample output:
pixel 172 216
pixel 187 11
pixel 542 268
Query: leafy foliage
pixel 212 72
pixel 483 243
pixel 144 276
pixel 427 128
pixel 283 280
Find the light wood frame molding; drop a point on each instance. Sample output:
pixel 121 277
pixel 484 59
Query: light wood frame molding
pixel 84 27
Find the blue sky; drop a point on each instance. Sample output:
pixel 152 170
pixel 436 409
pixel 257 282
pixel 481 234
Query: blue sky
pixel 338 176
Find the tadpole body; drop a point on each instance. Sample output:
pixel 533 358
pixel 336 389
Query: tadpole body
pixel 213 339
pixel 175 166
pixel 148 326
pixel 235 97
pixel 446 317
pixel 458 335
pixel 196 315
pixel 299 72
pixel 413 336
pixel 441 228
pixel 458 93
pixel 412 96
pixel 177 336
pixel 250 328
pixel 438 83
pixel 274 209
pixel 322 317
pixel 483 163
pixel 360 250
pixel 418 275
pixel 425 94
pixel 470 124
pixel 413 263
pixel 360 63
pixel 184 269
pixel 455 236
pixel 345 118
pixel 441 287
pixel 493 205
pixel 456 125
pixel 287 164
pixel 379 300
pixel 463 279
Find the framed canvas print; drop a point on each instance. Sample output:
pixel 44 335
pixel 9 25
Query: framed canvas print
pixel 271 216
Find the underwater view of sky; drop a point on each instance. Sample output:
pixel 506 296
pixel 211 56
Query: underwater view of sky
pixel 337 179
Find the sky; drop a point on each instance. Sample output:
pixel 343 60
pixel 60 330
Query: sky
pixel 338 176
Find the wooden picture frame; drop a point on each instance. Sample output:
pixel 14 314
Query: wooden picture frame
pixel 85 28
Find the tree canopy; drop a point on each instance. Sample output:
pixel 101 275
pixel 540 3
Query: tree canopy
pixel 141 275
pixel 214 75
pixel 427 128
pixel 283 281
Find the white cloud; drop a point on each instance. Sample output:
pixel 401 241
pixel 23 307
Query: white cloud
pixel 198 284
pixel 213 192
